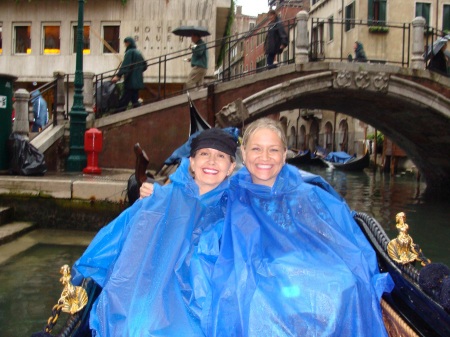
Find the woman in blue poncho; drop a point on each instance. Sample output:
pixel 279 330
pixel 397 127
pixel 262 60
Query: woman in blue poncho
pixel 137 258
pixel 292 261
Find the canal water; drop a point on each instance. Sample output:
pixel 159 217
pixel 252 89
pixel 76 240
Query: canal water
pixel 383 196
pixel 29 282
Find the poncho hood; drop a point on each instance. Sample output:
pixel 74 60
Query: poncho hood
pixel 132 43
pixel 183 179
pixel 36 93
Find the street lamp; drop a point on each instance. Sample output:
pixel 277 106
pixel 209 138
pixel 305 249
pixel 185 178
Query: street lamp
pixel 77 157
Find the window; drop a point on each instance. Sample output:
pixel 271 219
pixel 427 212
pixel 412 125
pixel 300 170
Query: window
pixel 377 12
pixel 445 19
pixel 22 39
pixel 350 17
pixel 86 39
pixel 317 42
pixel 252 25
pixel 1 38
pixel 111 35
pixel 51 40
pixel 423 10
pixel 330 29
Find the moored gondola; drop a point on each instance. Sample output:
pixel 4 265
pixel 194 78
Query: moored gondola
pixel 303 158
pixel 350 164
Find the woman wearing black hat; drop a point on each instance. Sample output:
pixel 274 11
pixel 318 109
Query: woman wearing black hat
pixel 138 258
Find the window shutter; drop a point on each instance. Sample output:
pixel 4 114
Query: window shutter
pixel 348 15
pixel 426 13
pixel 370 12
pixel 383 4
pixel 446 19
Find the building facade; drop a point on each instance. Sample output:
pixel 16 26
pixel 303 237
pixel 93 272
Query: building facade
pixel 382 26
pixel 38 37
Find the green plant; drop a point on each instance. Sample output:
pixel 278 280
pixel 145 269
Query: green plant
pixel 378 29
pixel 380 137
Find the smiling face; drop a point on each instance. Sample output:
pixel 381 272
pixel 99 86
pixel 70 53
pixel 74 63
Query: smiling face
pixel 264 155
pixel 210 168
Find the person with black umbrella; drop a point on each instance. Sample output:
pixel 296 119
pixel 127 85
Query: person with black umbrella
pixel 199 62
pixel 438 62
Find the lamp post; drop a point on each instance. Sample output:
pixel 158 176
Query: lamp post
pixel 77 157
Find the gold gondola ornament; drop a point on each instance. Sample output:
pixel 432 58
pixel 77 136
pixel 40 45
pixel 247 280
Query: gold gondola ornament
pixel 73 298
pixel 402 249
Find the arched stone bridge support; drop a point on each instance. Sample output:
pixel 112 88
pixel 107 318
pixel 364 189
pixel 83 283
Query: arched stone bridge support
pixel 412 110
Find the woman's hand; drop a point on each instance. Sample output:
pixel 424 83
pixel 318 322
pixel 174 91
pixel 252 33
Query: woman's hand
pixel 145 190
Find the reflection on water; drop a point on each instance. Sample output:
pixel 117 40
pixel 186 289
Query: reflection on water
pixel 30 287
pixel 383 196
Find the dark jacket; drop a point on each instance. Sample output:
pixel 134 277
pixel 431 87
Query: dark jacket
pixel 438 63
pixel 276 36
pixel 360 55
pixel 132 67
pixel 200 55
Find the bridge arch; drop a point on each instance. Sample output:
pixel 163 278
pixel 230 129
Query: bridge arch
pixel 412 110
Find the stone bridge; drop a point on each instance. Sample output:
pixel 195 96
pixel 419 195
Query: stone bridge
pixel 410 106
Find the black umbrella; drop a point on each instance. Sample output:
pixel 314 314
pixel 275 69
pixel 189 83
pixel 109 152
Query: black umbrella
pixel 191 30
pixel 437 45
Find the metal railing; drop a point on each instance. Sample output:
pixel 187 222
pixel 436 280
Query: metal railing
pixel 159 65
pixel 320 49
pixel 344 29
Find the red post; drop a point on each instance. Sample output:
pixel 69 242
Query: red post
pixel 93 143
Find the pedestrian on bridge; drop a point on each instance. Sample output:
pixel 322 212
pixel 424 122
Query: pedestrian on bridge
pixel 132 68
pixel 276 39
pixel 360 55
pixel 199 62
pixel 40 111
pixel 438 62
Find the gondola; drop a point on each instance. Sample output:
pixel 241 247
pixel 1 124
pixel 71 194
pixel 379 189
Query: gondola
pixel 421 297
pixel 303 158
pixel 407 311
pixel 306 159
pixel 348 163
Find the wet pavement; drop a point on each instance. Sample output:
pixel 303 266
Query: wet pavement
pixel 17 236
pixel 110 185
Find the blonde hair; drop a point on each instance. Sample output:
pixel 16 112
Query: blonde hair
pixel 264 123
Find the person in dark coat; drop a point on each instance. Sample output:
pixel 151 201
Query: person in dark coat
pixel 438 62
pixel 276 39
pixel 132 68
pixel 360 55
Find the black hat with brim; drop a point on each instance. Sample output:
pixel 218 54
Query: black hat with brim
pixel 214 138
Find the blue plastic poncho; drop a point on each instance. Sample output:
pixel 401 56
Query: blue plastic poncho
pixel 292 262
pixel 139 259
